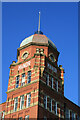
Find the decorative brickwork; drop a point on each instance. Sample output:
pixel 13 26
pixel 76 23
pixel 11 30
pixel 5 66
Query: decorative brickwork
pixel 36 83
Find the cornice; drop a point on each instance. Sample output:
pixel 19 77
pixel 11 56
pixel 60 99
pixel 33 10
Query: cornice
pixel 23 86
pixel 22 62
pixel 33 43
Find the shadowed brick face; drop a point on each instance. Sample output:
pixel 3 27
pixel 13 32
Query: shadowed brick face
pixel 36 84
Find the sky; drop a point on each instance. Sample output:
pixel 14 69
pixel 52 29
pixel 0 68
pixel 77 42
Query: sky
pixel 59 22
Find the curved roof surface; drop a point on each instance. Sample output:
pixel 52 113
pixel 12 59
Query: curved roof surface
pixel 37 38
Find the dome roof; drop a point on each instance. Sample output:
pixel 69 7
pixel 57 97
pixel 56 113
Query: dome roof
pixel 37 38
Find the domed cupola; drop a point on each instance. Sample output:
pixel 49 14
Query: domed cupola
pixel 38 37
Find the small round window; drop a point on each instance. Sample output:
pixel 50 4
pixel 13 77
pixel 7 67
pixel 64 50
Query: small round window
pixel 25 55
pixel 52 58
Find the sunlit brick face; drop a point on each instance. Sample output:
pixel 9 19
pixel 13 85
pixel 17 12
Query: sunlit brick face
pixel 36 83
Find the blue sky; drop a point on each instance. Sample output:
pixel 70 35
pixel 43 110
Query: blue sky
pixel 59 22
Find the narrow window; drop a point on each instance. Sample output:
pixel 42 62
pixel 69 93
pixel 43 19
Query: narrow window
pixel 15 103
pixel 55 108
pixel 47 79
pixel 23 79
pixel 78 117
pixel 45 102
pixel 73 116
pixel 50 104
pixel 45 118
pixel 56 85
pixel 67 113
pixel 52 82
pixel 21 102
pixel 28 100
pixel 60 112
pixel 27 117
pixel 20 118
pixel 0 114
pixel 29 77
pixel 3 115
pixel 17 81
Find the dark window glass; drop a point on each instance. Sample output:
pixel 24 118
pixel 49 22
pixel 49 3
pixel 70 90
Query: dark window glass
pixel 22 102
pixel 20 118
pixel 55 107
pixel 28 100
pixel 17 81
pixel 50 104
pixel 29 77
pixel 45 118
pixel 47 79
pixel 51 82
pixel 45 102
pixel 56 85
pixel 15 103
pixel 23 79
pixel 27 117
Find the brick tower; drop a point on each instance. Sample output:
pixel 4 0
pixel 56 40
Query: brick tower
pixel 34 78
pixel 36 83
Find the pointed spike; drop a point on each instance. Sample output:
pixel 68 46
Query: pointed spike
pixel 39 23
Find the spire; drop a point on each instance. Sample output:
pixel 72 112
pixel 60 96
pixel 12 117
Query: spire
pixel 39 32
pixel 39 23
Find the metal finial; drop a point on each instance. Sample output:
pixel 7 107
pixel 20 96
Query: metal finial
pixel 38 31
pixel 39 23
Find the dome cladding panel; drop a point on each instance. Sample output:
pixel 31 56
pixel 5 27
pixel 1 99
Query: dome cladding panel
pixel 37 38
